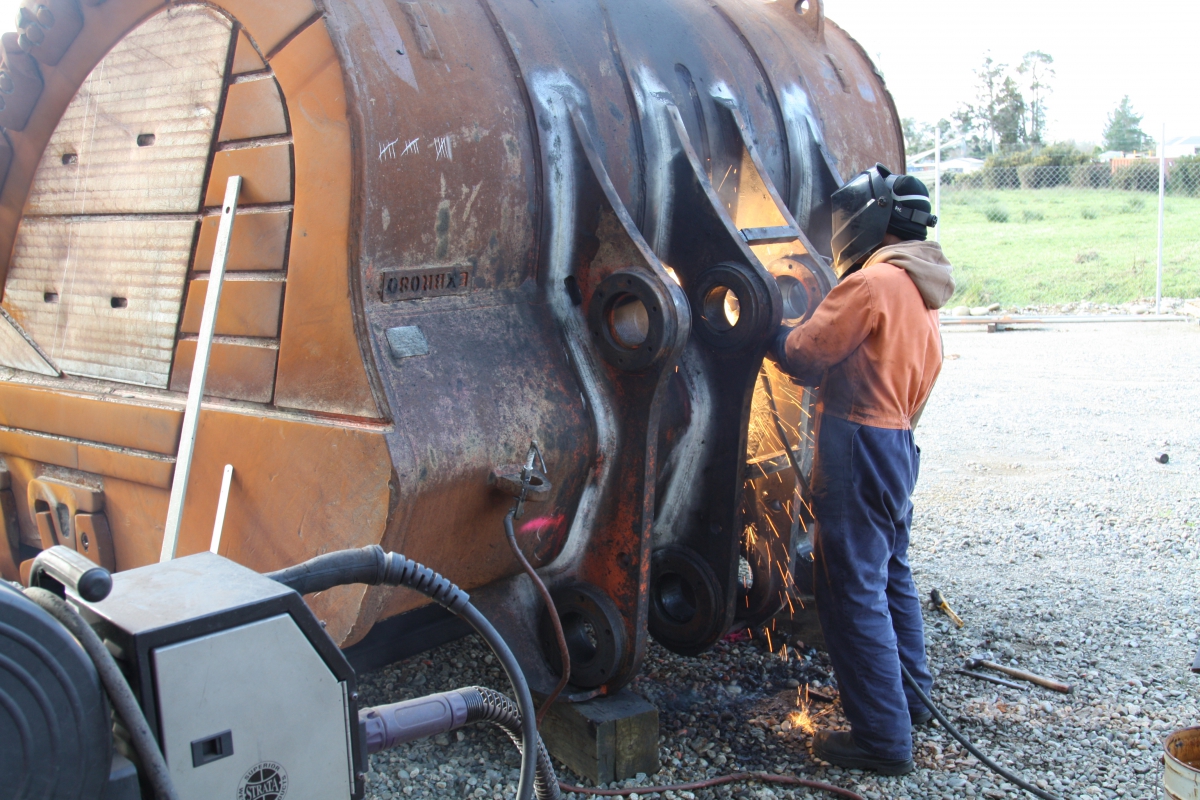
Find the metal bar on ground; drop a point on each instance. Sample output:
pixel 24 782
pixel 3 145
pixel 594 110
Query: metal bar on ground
pixel 1004 322
pixel 191 411
pixel 222 504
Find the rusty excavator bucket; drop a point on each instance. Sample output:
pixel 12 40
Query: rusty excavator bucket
pixel 464 225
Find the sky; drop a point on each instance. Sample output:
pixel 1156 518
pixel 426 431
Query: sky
pixel 928 51
pixel 1102 51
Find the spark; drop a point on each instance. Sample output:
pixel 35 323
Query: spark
pixel 801 718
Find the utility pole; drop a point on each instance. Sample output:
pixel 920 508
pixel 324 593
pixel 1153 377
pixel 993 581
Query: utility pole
pixel 937 179
pixel 1162 194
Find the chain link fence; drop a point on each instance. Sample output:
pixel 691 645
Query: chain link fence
pixel 1036 235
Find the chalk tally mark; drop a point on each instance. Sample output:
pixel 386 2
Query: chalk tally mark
pixel 442 145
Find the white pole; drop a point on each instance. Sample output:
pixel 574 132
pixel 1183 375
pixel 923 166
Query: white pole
pixel 1162 194
pixel 937 180
pixel 191 411
pixel 222 504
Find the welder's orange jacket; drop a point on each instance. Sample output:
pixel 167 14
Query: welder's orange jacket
pixel 873 345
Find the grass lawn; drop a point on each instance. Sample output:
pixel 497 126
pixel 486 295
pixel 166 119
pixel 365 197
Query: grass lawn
pixel 1031 246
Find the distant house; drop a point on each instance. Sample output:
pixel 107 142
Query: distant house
pixel 1121 163
pixel 1182 146
pixel 924 168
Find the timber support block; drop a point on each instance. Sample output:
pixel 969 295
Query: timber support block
pixel 604 740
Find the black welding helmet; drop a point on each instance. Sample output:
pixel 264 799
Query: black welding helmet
pixel 874 203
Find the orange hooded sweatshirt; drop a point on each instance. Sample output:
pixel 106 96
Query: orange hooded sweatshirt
pixel 873 344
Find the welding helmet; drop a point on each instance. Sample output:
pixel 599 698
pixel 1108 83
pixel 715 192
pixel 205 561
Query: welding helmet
pixel 874 203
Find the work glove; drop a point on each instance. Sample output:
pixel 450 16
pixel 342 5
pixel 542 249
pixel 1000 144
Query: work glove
pixel 777 351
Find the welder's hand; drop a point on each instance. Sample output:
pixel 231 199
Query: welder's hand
pixel 777 351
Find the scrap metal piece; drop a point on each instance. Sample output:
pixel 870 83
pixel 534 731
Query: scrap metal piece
pixel 406 341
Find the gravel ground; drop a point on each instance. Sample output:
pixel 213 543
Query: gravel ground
pixel 1043 517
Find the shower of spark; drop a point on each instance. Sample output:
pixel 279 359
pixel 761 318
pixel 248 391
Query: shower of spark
pixel 801 718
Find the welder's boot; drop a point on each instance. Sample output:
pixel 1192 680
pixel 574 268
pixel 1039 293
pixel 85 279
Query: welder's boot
pixel 837 747
pixel 920 716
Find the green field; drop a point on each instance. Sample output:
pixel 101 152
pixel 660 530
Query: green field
pixel 1040 246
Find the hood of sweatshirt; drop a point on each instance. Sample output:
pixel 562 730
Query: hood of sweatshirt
pixel 925 264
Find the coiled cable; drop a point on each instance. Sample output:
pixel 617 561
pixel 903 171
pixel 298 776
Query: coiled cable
pixel 117 688
pixel 371 565
pixel 501 711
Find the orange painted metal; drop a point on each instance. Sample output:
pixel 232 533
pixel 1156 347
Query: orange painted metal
pixel 441 200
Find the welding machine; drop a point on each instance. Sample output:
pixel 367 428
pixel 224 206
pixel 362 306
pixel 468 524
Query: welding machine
pixel 198 679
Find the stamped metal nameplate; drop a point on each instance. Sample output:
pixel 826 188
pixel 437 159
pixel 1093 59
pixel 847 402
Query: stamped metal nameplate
pixel 433 282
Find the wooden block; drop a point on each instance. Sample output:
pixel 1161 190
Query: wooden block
pixel 604 740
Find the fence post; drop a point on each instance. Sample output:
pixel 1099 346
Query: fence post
pixel 1162 193
pixel 937 179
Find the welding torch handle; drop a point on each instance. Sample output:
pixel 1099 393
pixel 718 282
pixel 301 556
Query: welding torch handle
pixel 1021 674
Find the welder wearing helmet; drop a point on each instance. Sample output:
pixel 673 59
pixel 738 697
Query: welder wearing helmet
pixel 873 347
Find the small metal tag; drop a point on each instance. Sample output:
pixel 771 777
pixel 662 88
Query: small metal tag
pixel 407 284
pixel 406 342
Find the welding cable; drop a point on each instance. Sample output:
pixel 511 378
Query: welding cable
pixel 733 777
pixel 501 711
pixel 117 688
pixel 972 749
pixel 372 566
pixel 564 653
pixel 787 446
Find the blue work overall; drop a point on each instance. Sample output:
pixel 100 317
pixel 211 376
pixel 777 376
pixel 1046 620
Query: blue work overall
pixel 866 599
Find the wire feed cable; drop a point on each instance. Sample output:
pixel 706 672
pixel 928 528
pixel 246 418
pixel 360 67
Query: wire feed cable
pixel 971 748
pixel 372 566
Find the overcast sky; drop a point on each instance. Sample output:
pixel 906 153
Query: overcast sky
pixel 928 49
pixel 1102 51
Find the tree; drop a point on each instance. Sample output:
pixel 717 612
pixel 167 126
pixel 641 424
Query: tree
pixel 1008 115
pixel 969 126
pixel 916 136
pixel 1124 129
pixel 1035 68
pixel 988 90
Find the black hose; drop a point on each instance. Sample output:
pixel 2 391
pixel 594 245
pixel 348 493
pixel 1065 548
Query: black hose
pixel 564 653
pixel 372 566
pixel 972 749
pixel 126 705
pixel 500 710
pixel 783 437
